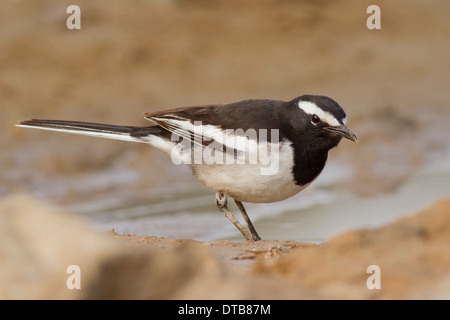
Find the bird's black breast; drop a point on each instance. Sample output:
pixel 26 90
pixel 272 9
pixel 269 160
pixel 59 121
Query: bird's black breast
pixel 307 165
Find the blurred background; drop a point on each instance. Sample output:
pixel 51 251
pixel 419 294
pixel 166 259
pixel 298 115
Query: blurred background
pixel 140 56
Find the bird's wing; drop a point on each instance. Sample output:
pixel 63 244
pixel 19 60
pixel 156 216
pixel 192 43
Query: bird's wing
pixel 253 113
pixel 210 121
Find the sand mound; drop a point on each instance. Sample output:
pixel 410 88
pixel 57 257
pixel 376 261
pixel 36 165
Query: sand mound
pixel 38 243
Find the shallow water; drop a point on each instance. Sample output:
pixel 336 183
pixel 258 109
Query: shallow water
pixel 347 212
pixel 316 214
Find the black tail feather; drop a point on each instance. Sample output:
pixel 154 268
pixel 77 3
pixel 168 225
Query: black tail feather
pixel 95 127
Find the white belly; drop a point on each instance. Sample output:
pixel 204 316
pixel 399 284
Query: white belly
pixel 247 183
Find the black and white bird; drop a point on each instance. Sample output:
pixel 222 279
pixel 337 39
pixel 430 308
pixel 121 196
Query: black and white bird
pixel 295 137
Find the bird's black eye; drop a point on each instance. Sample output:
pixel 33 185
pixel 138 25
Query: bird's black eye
pixel 315 119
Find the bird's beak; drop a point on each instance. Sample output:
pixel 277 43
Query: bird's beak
pixel 343 131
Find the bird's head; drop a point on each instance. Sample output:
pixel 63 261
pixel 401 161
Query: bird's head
pixel 320 120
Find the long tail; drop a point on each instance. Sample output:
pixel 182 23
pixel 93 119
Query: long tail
pixel 126 133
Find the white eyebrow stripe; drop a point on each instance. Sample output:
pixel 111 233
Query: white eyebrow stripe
pixel 311 108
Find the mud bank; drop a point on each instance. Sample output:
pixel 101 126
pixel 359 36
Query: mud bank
pixel 38 243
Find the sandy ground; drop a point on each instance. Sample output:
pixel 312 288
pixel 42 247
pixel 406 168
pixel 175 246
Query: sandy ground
pixel 38 243
pixel 130 59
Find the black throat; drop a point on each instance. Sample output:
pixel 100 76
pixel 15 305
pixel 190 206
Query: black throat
pixel 308 164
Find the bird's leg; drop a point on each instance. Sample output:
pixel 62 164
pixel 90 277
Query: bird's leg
pixel 221 202
pixel 255 236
